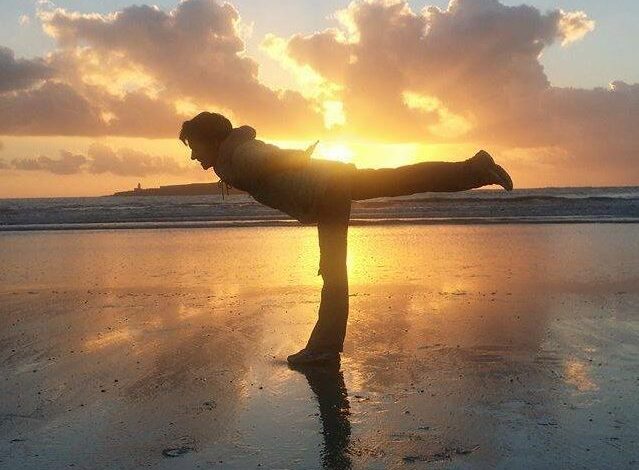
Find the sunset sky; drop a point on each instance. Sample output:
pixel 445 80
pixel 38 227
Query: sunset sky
pixel 92 93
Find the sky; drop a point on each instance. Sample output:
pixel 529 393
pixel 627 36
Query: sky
pixel 92 93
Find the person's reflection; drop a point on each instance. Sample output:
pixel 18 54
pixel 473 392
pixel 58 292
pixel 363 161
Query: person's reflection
pixel 328 385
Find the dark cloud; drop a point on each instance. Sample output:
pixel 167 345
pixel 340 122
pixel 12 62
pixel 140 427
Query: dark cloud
pixel 18 74
pixel 101 159
pixel 51 109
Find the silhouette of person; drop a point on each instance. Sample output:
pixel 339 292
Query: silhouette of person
pixel 320 192
pixel 327 383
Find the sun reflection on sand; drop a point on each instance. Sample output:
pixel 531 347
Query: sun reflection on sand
pixel 186 312
pixel 577 374
pixel 102 340
pixel 459 338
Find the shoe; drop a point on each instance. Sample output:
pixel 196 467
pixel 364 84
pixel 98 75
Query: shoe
pixel 495 173
pixel 309 357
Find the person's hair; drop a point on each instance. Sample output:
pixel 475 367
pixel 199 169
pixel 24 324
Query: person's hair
pixel 206 126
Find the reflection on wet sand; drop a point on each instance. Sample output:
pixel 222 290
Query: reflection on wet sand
pixel 474 347
pixel 328 386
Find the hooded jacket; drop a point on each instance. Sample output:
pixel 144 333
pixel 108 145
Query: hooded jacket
pixel 287 180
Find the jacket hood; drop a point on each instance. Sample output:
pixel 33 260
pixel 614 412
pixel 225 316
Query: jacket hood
pixel 236 138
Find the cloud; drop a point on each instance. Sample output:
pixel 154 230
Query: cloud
pixel 473 56
pixel 127 73
pixel 128 162
pixel 18 74
pixel 66 164
pixel 469 73
pixel 24 20
pixel 573 26
pixel 137 114
pixel 101 159
pixel 51 109
pixel 597 127
pixel 193 52
pixel 68 107
pixel 3 165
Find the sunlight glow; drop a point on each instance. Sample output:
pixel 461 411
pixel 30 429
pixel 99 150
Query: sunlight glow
pixel 187 107
pixel 335 152
pixel 450 125
pixel 310 83
pixel 380 155
pixel 334 114
pixel 114 73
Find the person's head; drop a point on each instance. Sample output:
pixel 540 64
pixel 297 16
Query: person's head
pixel 204 134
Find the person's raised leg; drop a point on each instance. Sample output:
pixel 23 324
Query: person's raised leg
pixel 480 170
pixel 327 339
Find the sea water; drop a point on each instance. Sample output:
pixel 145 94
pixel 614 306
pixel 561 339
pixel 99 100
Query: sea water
pixel 552 205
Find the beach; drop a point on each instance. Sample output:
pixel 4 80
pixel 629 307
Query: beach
pixel 468 346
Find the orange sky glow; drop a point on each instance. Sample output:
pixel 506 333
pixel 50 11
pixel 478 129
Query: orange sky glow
pixel 384 85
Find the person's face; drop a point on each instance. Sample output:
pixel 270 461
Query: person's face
pixel 203 152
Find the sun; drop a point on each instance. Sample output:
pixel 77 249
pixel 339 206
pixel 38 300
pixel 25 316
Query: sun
pixel 335 151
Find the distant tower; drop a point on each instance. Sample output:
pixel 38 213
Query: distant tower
pixel 139 188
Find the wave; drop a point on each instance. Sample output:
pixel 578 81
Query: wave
pixel 502 199
pixel 194 224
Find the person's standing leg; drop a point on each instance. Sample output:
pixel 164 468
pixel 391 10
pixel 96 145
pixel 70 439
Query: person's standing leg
pixel 332 228
pixel 475 172
pixel 327 339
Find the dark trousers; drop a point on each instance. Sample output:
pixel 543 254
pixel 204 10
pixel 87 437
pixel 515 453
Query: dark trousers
pixel 334 214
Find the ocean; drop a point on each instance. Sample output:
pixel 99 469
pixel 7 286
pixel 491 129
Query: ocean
pixel 551 205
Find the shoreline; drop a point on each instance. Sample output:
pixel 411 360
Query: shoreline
pixel 293 223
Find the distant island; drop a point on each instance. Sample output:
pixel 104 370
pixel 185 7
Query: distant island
pixel 193 189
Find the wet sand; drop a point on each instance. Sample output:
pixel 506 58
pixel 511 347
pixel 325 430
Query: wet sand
pixel 468 347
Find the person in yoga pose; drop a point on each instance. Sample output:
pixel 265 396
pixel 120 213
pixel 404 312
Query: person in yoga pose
pixel 320 192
